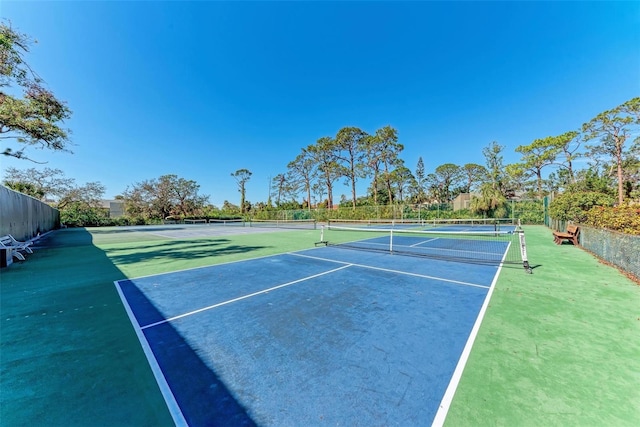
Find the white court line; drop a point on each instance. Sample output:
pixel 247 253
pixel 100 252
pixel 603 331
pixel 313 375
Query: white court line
pixel 424 276
pixel 445 404
pixel 424 241
pixel 264 291
pixel 167 394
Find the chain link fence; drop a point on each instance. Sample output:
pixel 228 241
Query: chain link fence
pixel 621 250
pixel 527 211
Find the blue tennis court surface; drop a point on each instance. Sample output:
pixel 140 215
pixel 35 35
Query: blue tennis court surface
pixel 326 336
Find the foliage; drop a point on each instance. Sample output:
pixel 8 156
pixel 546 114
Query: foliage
pixel 324 156
pixel 612 128
pixel 383 155
pixel 474 174
pixel 624 218
pixel 537 155
pixel 350 146
pixel 25 188
pixel 88 195
pixel 490 203
pixel 77 214
pixel 495 168
pixel 301 173
pixel 419 195
pixel 443 181
pixel 592 180
pixel 166 196
pixel 34 119
pixel 573 206
pixel 527 211
pixel 568 144
pixel 242 176
pixel 45 184
pixel 81 206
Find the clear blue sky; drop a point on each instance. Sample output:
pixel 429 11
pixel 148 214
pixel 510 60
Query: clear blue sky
pixel 201 89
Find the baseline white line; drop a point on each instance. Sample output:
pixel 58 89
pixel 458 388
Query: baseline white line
pixel 447 399
pixel 424 276
pixel 264 291
pixel 167 394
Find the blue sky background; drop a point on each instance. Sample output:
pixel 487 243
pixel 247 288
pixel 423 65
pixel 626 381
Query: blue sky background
pixel 201 89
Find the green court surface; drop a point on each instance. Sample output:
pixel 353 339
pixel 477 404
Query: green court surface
pixel 558 347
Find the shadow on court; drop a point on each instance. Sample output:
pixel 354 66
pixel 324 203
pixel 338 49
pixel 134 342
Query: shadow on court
pixel 179 250
pixel 69 355
pixel 192 381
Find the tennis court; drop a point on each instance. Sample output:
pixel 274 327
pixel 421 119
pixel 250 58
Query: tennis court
pixel 325 335
pixel 71 357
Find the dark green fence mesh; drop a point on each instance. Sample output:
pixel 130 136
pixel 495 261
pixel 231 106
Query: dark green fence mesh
pixel 622 250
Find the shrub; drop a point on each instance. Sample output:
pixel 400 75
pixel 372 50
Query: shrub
pixel 625 218
pixel 574 206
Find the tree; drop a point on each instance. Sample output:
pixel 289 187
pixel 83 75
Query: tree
pixel 443 180
pixel 89 196
pixel 350 145
pixel 242 176
pixel 279 182
pixel 491 202
pixel 303 170
pixel 495 167
pixel 568 143
pixel 227 206
pixel 81 205
pixel 403 179
pixel 164 197
pixel 538 155
pixel 386 148
pixel 517 177
pixel 592 179
pixel 373 163
pixel 35 119
pixel 613 128
pixel 420 182
pixel 42 184
pixel 324 155
pixel 186 200
pixel 473 174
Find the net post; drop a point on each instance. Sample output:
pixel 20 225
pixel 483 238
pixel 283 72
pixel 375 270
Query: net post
pixel 523 248
pixel 322 241
pixel 391 241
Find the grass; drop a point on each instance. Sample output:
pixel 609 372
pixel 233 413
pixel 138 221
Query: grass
pixel 559 347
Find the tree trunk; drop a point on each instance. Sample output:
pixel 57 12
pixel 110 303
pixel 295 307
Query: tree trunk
pixel 619 162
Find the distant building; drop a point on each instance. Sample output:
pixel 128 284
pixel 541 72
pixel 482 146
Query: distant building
pixel 463 201
pixel 115 207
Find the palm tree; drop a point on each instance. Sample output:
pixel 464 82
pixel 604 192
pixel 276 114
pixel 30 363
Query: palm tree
pixel 491 203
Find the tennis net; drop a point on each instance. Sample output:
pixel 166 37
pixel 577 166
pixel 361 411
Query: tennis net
pixel 237 222
pixel 380 223
pixel 489 224
pixel 284 223
pixel 195 221
pixel 479 247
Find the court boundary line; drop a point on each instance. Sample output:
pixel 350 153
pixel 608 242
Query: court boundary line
pixel 424 276
pixel 447 398
pixel 264 291
pixel 161 380
pixel 170 400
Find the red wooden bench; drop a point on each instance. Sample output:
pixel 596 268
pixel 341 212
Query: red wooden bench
pixel 572 233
